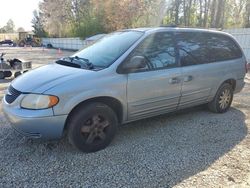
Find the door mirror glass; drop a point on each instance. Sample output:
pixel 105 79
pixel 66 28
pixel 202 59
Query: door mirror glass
pixel 135 63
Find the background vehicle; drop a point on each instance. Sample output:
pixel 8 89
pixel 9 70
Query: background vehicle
pixel 28 39
pixel 8 42
pixel 13 65
pixel 132 74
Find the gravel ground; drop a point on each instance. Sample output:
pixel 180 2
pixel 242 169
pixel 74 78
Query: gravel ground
pixel 190 148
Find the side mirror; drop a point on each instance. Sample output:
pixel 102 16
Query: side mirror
pixel 135 63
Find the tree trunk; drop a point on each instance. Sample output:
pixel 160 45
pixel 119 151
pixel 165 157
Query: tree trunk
pixel 185 12
pixel 189 12
pixel 177 7
pixel 207 5
pixel 213 12
pixel 201 12
pixel 219 14
pixel 247 14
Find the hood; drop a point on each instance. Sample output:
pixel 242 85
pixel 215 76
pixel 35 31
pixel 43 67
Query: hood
pixel 41 79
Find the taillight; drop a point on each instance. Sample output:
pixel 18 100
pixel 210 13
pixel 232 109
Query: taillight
pixel 247 67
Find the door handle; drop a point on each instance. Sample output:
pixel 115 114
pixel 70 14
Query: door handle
pixel 188 78
pixel 174 80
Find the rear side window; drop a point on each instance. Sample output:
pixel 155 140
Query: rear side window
pixel 192 48
pixel 199 48
pixel 222 48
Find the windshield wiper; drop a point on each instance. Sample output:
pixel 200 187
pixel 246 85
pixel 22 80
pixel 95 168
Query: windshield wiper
pixel 67 63
pixel 88 64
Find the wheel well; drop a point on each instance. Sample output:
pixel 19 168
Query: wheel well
pixel 109 101
pixel 232 82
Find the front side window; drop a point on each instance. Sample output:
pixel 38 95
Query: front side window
pixel 159 51
pixel 107 50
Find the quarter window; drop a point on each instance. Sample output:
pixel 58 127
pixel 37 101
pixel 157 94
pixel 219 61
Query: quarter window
pixel 222 48
pixel 199 48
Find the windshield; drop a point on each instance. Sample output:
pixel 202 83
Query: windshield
pixel 107 50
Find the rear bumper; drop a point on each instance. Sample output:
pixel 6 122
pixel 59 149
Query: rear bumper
pixel 35 123
pixel 239 85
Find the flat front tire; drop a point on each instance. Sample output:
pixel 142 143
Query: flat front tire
pixel 92 127
pixel 222 100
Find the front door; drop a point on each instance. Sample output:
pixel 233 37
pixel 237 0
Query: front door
pixel 155 89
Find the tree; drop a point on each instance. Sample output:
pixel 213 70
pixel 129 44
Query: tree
pixel 217 13
pixel 37 24
pixel 20 29
pixel 63 18
pixel 57 16
pixel 247 14
pixel 9 27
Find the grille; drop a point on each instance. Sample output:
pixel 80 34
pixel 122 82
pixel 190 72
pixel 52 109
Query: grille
pixel 12 95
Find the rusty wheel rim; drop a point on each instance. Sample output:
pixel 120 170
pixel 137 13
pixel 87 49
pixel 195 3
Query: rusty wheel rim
pixel 94 129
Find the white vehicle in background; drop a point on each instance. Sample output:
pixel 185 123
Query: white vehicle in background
pixel 70 43
pixel 92 39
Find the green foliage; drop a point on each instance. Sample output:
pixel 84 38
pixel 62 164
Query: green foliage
pixel 9 27
pixel 83 18
pixel 37 25
pixel 87 27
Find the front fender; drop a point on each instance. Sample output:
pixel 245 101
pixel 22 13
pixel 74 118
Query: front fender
pixel 67 104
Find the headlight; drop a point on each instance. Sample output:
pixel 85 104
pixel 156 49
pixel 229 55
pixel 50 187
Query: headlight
pixel 37 101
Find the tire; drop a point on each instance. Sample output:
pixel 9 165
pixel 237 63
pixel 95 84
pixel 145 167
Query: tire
pixel 7 74
pixel 92 127
pixel 49 46
pixel 222 100
pixel 17 74
pixel 21 44
pixel 2 76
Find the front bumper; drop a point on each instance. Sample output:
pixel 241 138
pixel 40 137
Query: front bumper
pixel 34 123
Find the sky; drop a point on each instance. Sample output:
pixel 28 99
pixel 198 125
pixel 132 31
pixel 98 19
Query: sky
pixel 20 11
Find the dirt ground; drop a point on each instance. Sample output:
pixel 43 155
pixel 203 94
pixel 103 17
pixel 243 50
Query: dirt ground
pixel 191 148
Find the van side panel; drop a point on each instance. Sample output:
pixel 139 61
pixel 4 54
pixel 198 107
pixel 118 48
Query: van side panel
pixel 227 70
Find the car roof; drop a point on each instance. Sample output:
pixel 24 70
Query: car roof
pixel 171 28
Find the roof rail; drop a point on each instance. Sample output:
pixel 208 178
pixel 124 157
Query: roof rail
pixel 169 25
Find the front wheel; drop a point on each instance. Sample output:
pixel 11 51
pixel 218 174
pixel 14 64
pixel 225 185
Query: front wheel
pixel 222 100
pixel 92 127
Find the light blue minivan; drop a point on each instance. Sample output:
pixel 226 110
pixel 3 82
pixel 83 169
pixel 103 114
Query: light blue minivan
pixel 125 76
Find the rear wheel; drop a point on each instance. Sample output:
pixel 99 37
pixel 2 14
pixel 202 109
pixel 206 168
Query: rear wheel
pixel 92 127
pixel 222 100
